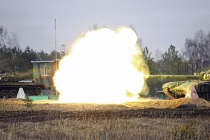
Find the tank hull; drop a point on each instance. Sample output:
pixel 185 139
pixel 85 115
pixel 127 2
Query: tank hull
pixel 178 89
pixel 10 89
pixel 175 90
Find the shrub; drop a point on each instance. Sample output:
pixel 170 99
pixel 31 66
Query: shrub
pixel 28 102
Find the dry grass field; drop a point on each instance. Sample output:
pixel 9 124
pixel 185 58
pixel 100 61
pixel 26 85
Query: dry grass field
pixel 146 119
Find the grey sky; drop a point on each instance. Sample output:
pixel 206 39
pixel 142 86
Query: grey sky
pixel 159 23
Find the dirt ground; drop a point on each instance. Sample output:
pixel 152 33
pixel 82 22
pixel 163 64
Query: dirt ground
pixel 142 103
pixel 14 110
pixel 145 119
pixel 158 103
pixel 172 104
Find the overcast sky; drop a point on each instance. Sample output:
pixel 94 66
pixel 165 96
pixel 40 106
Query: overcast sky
pixel 159 23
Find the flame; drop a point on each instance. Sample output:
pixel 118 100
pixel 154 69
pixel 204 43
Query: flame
pixel 102 68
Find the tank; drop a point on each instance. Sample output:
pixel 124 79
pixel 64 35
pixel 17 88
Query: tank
pixel 11 82
pixel 174 90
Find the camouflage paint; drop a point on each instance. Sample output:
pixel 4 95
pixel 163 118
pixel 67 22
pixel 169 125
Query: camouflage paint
pixel 43 72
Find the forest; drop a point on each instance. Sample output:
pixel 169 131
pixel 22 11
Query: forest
pixel 14 59
pixel 195 56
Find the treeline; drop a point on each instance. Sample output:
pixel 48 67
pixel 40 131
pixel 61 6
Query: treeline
pixel 14 59
pixel 196 51
pixel 195 56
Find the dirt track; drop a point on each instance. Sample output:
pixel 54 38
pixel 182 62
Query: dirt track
pixel 45 115
pixel 15 111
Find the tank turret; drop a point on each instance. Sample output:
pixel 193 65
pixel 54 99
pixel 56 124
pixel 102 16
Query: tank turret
pixel 200 81
pixel 14 77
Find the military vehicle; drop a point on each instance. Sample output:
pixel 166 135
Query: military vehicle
pixel 200 81
pixel 11 82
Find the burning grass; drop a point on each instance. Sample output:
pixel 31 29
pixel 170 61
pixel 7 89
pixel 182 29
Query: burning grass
pixel 50 120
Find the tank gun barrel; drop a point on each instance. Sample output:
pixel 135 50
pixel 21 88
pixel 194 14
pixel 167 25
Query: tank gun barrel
pixel 175 76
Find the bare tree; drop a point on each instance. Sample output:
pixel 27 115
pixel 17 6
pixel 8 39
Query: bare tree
pixel 3 36
pixel 158 55
pixel 198 49
pixel 9 49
